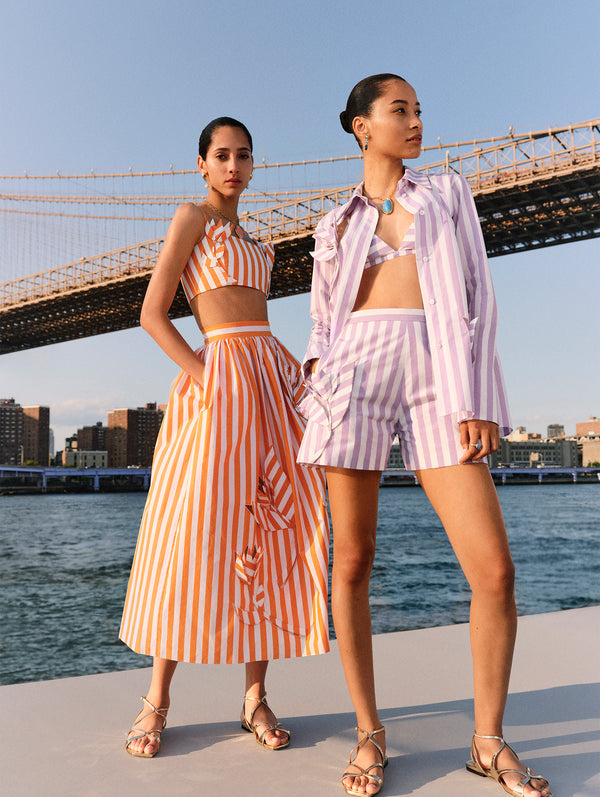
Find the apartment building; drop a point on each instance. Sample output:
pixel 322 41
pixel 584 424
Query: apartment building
pixel 131 436
pixel 36 435
pixel 11 432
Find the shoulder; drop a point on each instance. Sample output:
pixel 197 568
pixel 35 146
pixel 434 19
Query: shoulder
pixel 189 214
pixel 448 180
pixel 455 191
pixel 187 225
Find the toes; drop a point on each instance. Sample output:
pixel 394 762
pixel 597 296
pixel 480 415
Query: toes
pixel 150 746
pixel 350 782
pixel 357 783
pixel 277 738
pixel 144 746
pixel 539 788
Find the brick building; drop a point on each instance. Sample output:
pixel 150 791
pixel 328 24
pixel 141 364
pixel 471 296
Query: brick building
pixel 11 432
pixel 36 435
pixel 131 436
pixel 92 438
pixel 589 428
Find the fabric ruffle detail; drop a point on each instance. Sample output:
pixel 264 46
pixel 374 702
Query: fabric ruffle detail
pixel 216 235
pixel 266 563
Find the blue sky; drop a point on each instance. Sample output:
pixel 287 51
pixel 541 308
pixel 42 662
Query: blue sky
pixel 131 83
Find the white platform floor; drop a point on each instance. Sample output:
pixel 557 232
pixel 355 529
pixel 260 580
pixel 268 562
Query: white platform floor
pixel 65 737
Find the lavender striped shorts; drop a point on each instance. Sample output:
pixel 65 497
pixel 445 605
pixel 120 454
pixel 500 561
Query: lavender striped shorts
pixel 374 382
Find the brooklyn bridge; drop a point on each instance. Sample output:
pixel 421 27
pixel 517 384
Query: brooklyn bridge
pixel 532 190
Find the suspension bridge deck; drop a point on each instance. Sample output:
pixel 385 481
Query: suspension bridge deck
pixel 534 190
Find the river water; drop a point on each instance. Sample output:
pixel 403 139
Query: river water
pixel 65 559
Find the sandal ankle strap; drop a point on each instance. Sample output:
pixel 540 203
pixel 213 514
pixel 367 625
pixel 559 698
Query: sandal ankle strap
pixel 368 735
pixel 158 711
pixel 262 699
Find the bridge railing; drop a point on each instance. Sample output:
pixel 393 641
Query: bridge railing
pixel 294 218
pixel 104 268
pixel 517 157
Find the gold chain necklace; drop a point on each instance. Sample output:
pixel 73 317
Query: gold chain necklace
pixel 234 224
pixel 388 202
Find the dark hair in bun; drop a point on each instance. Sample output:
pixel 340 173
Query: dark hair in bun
pixel 223 121
pixel 362 97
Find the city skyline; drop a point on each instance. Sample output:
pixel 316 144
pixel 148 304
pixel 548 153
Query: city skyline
pixel 92 95
pixel 552 430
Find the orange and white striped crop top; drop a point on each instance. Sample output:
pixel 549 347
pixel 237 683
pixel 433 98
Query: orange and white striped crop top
pixel 221 258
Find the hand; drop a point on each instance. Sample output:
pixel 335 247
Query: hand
pixel 478 439
pixel 313 364
pixel 198 375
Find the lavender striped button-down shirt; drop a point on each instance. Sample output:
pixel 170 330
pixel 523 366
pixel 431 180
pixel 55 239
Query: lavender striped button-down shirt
pixel 458 297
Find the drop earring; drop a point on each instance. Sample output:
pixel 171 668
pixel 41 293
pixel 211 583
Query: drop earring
pixel 366 142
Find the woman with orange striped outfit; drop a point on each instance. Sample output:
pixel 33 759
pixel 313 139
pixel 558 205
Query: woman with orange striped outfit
pixel 231 559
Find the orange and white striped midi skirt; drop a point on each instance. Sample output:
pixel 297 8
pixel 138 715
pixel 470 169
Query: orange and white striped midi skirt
pixel 232 554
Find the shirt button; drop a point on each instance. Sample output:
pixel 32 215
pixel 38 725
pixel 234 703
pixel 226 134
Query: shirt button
pixel 421 213
pixel 425 259
pixel 440 346
pixel 432 301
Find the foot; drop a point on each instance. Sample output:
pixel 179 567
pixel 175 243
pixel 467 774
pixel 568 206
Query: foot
pixel 153 721
pixel 507 759
pixel 259 716
pixel 367 758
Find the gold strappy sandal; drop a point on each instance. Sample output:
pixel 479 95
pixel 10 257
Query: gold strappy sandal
pixel 368 735
pixel 155 734
pixel 476 767
pixel 252 727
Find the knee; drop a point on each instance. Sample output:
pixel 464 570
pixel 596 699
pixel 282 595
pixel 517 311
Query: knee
pixel 353 566
pixel 497 580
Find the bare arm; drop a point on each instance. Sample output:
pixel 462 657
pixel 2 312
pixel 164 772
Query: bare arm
pixel 185 230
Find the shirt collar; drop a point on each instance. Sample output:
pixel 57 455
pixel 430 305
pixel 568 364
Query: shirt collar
pixel 409 176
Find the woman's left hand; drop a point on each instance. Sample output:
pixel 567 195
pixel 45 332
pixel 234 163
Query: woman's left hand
pixel 478 439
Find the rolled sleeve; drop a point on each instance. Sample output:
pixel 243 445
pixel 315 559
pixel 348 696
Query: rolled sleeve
pixel 324 261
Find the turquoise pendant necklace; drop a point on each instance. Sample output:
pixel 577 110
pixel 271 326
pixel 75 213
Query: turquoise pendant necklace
pixel 387 206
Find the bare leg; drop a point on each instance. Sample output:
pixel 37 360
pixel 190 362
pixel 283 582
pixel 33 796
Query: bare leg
pixel 353 500
pixel 466 501
pixel 256 672
pixel 158 695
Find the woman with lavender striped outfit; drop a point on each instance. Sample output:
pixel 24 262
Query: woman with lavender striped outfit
pixel 404 343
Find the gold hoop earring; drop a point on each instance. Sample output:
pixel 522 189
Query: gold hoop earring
pixel 251 176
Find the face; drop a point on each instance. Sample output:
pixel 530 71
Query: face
pixel 394 126
pixel 228 161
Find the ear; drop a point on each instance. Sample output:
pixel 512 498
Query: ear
pixel 359 126
pixel 201 163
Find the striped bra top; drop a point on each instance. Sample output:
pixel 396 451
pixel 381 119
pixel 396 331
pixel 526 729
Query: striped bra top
pixel 221 258
pixel 380 251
